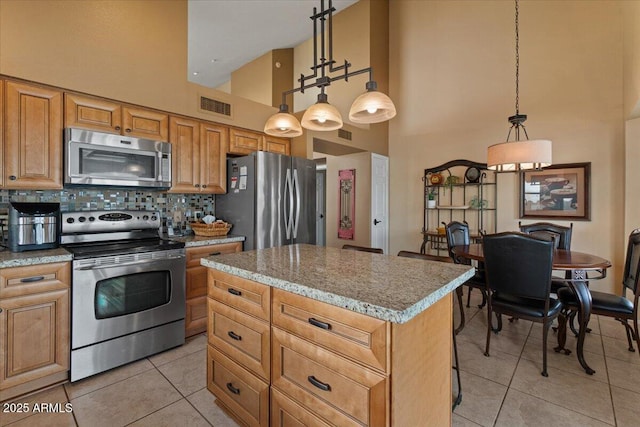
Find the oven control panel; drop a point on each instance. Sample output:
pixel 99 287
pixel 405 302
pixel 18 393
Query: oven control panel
pixel 109 221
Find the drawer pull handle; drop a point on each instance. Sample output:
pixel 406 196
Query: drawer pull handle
pixel 232 389
pixel 234 292
pixel 215 253
pixel 234 336
pixel 32 279
pixel 319 324
pixel 322 386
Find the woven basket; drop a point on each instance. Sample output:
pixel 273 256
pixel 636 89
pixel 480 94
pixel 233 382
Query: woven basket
pixel 211 230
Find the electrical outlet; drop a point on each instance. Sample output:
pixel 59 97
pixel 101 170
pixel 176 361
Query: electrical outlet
pixel 177 215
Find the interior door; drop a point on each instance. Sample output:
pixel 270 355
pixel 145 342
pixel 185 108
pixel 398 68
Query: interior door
pixel 380 202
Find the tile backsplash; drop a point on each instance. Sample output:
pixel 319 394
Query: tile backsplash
pixel 178 209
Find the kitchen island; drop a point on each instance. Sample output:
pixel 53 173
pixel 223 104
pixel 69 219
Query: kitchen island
pixel 310 335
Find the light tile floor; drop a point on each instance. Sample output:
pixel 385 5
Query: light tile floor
pixel 506 389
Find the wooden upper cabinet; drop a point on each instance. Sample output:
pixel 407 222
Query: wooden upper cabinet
pixel 198 151
pixel 141 123
pixel 98 114
pixel 32 137
pixel 213 154
pixel 273 144
pixel 244 142
pixel 92 113
pixel 184 135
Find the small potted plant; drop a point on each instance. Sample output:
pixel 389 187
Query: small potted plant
pixel 431 198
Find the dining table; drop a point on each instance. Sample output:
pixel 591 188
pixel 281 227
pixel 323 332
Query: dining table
pixel 580 264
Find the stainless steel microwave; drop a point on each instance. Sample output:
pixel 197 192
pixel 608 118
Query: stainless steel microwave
pixel 97 158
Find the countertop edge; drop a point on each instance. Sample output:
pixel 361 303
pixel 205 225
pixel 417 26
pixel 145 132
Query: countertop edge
pixel 357 306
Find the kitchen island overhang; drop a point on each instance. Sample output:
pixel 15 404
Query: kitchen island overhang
pixel 389 288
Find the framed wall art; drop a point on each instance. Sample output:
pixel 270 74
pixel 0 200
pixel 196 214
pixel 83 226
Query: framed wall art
pixel 556 192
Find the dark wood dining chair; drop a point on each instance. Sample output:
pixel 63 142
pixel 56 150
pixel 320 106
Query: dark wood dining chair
pixel 618 307
pixel 428 257
pixel 518 271
pixel 458 234
pixel 561 237
pixel 363 249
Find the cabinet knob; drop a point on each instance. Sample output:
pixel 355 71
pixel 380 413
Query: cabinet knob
pixel 117 128
pixel 196 185
pixel 127 130
pixel 204 185
pixel 13 177
pixel 0 310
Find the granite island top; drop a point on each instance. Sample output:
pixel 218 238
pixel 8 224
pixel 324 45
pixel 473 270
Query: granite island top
pixel 386 287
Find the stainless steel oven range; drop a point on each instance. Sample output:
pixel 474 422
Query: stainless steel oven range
pixel 128 288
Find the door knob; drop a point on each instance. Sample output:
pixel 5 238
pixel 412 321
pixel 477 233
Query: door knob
pixel 376 222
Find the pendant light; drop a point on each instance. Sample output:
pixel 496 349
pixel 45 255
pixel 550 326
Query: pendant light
pixel 519 155
pixel 322 115
pixel 283 124
pixel 370 107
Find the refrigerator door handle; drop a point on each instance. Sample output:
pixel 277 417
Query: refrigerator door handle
pixel 288 195
pixel 296 220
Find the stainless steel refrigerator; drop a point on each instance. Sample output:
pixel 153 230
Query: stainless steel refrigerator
pixel 271 200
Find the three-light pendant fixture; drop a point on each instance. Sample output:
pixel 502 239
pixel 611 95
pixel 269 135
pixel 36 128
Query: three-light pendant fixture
pixel 370 107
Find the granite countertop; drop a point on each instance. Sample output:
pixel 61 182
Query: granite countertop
pixel 386 287
pixel 192 240
pixel 20 259
pixel 45 256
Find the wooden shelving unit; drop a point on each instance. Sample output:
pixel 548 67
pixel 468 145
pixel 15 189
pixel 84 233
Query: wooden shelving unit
pixel 466 199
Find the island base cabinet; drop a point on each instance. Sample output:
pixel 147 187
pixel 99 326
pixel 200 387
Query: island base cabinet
pixel 241 394
pixel 339 390
pixel 286 413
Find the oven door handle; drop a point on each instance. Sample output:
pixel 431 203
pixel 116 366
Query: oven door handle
pixel 126 264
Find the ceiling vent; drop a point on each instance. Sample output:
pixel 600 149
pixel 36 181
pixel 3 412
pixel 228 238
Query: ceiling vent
pixel 215 106
pixel 344 134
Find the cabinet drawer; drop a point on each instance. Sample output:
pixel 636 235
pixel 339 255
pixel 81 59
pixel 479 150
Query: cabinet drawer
pixel 286 413
pixel 354 335
pixel 19 281
pixel 242 337
pixel 338 390
pixel 242 393
pixel 194 254
pixel 247 296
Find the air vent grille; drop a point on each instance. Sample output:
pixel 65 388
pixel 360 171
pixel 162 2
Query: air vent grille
pixel 344 134
pixel 218 107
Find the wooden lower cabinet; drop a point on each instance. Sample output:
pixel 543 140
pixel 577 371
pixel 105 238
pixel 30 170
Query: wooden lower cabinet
pixel 329 366
pixel 287 413
pixel 196 284
pixel 34 328
pixel 243 394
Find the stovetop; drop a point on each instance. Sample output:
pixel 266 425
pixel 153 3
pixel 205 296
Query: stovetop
pixel 120 247
pixel 105 233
